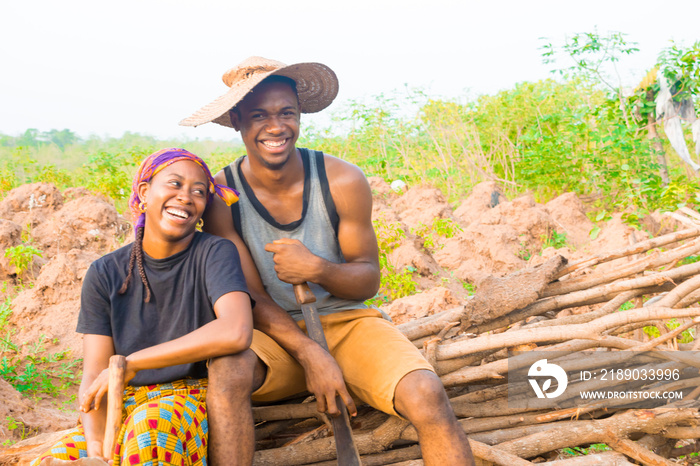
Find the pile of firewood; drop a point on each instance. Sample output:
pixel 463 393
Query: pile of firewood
pixel 472 348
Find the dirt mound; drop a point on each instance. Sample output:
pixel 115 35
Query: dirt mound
pixel 50 308
pixel 420 205
pixel 88 223
pixel 569 215
pixel 10 236
pixel 23 419
pixel 412 254
pixel 28 199
pixel 422 304
pixel 484 196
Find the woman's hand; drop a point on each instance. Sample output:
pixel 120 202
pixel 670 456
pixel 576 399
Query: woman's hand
pixel 92 397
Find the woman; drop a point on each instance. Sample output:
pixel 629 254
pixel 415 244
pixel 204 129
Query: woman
pixel 189 303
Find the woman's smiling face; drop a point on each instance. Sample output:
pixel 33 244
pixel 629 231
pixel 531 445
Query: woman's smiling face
pixel 175 201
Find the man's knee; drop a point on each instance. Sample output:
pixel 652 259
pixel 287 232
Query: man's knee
pixel 420 395
pixel 232 371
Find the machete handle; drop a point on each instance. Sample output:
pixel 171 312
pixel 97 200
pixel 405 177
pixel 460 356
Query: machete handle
pixel 115 403
pixel 303 294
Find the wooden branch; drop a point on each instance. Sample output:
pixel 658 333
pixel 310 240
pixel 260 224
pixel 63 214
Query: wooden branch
pixel 487 424
pixel 682 432
pixel 324 449
pixel 612 306
pixel 608 458
pixel 607 276
pixel 591 330
pixel 680 292
pixel 637 452
pixel 499 457
pixel 638 248
pixel 387 457
pixel 430 325
pixel 599 431
pixel 557 303
pixel 498 368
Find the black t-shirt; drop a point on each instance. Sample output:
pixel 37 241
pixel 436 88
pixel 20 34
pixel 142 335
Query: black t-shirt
pixel 184 288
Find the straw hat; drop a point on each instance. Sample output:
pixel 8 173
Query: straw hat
pixel 317 86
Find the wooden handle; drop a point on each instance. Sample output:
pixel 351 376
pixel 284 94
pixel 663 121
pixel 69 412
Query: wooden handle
pixel 303 294
pixel 115 402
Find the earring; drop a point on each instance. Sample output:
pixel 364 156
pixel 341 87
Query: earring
pixel 200 223
pixel 142 206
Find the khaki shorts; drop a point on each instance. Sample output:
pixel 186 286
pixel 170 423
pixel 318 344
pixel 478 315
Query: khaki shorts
pixel 373 355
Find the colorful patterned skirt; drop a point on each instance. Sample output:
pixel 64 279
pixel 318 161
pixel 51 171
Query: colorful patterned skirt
pixel 164 424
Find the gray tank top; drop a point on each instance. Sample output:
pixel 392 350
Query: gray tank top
pixel 316 229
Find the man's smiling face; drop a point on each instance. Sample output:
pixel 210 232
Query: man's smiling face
pixel 268 120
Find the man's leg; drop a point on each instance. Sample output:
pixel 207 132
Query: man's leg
pixel 420 397
pixel 229 412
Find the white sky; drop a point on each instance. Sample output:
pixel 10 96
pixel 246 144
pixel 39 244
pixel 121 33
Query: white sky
pixel 103 68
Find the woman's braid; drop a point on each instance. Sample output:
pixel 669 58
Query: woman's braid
pixel 137 257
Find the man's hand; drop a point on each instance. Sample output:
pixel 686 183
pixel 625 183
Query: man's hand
pixel 325 380
pixel 294 263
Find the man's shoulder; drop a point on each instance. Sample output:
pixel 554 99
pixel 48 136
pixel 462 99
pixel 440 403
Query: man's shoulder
pixel 342 171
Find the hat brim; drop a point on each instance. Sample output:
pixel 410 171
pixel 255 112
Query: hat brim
pixel 317 86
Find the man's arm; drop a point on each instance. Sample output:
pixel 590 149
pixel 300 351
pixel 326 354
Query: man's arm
pixel 358 278
pixel 323 376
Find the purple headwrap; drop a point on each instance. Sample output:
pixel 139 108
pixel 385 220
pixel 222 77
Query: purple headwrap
pixel 158 161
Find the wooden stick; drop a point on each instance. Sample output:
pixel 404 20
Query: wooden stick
pixel 600 431
pixel 591 330
pixel 493 454
pixel 598 278
pixel 638 248
pixel 637 452
pixel 115 402
pixel 556 303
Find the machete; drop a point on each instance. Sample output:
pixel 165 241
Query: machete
pixel 344 444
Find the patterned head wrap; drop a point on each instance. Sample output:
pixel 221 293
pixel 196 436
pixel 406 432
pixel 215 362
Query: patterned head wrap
pixel 158 161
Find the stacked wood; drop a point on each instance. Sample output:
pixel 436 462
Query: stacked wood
pixel 473 348
pixel 468 346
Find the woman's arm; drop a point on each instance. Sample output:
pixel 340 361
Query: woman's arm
pixel 97 350
pixel 230 333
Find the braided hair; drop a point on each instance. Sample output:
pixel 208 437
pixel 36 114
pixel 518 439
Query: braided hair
pixel 148 169
pixel 136 257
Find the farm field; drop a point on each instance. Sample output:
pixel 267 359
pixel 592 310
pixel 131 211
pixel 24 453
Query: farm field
pixel 543 191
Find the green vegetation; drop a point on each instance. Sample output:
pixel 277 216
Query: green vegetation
pixel 22 257
pixel 14 425
pixel 440 228
pixel 687 336
pixel 38 372
pixel 581 451
pixel 104 166
pixel 554 240
pixel 394 283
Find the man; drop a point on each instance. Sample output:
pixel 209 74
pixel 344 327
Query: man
pixel 306 217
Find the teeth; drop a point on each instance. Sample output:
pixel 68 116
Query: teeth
pixel 177 213
pixel 274 143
